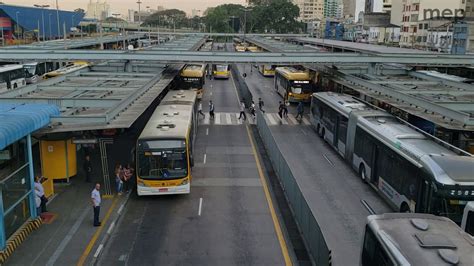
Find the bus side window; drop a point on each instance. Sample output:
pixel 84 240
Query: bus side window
pixel 470 223
pixel 373 254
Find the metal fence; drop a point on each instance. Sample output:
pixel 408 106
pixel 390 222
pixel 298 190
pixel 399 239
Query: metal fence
pixel 308 226
pixel 242 87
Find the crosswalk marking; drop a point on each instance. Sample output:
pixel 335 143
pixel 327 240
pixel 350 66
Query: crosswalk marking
pixel 233 119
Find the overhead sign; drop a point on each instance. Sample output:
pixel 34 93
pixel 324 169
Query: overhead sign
pixel 84 141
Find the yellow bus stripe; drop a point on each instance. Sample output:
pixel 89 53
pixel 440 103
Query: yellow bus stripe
pixel 276 223
pixel 96 235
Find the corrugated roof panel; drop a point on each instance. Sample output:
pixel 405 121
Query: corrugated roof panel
pixel 19 120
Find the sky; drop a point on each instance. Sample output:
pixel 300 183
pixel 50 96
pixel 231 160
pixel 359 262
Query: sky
pixel 121 6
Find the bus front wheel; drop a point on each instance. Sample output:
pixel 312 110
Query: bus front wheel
pixel 362 173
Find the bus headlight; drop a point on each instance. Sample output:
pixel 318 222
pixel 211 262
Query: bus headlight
pixel 290 94
pixel 185 182
pixel 141 183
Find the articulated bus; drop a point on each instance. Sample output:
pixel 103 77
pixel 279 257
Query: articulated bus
pixel 165 148
pixel 12 77
pixel 193 77
pixel 267 70
pixel 35 70
pixel 220 71
pixel 412 170
pixel 293 85
pixel 72 67
pixel 415 239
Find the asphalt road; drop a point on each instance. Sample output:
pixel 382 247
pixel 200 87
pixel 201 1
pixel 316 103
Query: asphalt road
pixel 331 188
pixel 234 225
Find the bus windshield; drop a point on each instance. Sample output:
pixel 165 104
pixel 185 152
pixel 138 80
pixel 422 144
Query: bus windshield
pixel 301 86
pixel 221 68
pixel 30 69
pixel 162 159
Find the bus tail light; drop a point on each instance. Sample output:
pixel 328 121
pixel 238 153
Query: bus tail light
pixel 141 183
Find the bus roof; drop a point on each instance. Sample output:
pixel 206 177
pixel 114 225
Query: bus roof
pixel 444 76
pixel 426 150
pixel 6 68
pixel 292 73
pixel 172 118
pixel 422 239
pixel 193 71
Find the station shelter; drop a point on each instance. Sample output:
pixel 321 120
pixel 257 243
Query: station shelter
pixel 17 197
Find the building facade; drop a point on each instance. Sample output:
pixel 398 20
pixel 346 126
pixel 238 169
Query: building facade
pixel 333 8
pixel 310 10
pixel 98 10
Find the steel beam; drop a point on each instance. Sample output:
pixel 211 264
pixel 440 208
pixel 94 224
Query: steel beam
pixel 86 88
pixel 67 102
pixel 226 57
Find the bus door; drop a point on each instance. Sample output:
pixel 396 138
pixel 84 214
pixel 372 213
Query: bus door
pixel 375 161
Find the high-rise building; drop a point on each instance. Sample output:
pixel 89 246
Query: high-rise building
pixel 98 10
pixel 378 5
pixel 310 10
pixel 333 8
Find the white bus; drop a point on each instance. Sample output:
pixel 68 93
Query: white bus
pixel 165 148
pixel 412 170
pixel 415 239
pixel 12 77
pixel 35 70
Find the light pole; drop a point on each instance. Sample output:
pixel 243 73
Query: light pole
pixel 17 24
pixel 50 35
pixel 139 2
pixel 42 18
pixel 57 19
pixel 245 19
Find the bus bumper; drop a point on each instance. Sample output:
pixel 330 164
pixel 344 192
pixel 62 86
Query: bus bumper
pixel 150 191
pixel 297 99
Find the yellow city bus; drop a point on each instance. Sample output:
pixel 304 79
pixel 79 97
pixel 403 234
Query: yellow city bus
pixel 240 48
pixel 220 71
pixel 293 85
pixel 193 77
pixel 69 68
pixel 252 49
pixel 267 70
pixel 165 148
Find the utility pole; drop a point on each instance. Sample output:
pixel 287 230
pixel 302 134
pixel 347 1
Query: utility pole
pixel 57 19
pixel 42 19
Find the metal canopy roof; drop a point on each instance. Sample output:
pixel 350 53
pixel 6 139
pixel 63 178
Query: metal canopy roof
pixel 19 120
pixel 108 95
pixel 445 103
pixel 173 56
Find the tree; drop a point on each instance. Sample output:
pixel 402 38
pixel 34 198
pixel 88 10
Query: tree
pixel 222 18
pixel 168 18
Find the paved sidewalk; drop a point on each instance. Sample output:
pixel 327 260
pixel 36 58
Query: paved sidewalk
pixel 64 240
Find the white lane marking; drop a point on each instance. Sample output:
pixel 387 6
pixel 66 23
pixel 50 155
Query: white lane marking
pixel 228 119
pixel 306 121
pixel 271 119
pixel 206 120
pixel 122 257
pixel 111 227
pixel 327 159
pixel 284 121
pixel 200 206
pixel 292 119
pixel 59 250
pixel 99 249
pixel 120 209
pixel 207 131
pixel 304 132
pixel 239 121
pixel 205 158
pixel 217 120
pixel 210 94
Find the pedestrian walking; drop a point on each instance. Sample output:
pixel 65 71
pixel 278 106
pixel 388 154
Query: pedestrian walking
pixel 119 178
pixel 39 190
pixel 261 104
pixel 280 109
pixel 285 109
pixel 252 109
pixel 87 168
pixel 211 110
pixel 96 200
pixel 300 110
pixel 242 110
pixel 200 110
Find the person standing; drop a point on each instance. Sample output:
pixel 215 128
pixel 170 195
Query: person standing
pixel 200 110
pixel 39 190
pixel 242 111
pixel 261 104
pixel 118 178
pixel 211 109
pixel 96 200
pixel 300 110
pixel 87 168
pixel 285 108
pixel 127 176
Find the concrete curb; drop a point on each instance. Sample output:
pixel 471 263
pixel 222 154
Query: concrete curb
pixel 109 231
pixel 16 239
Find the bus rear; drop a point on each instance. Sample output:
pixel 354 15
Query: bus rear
pixel 193 77
pixel 267 70
pixel 221 71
